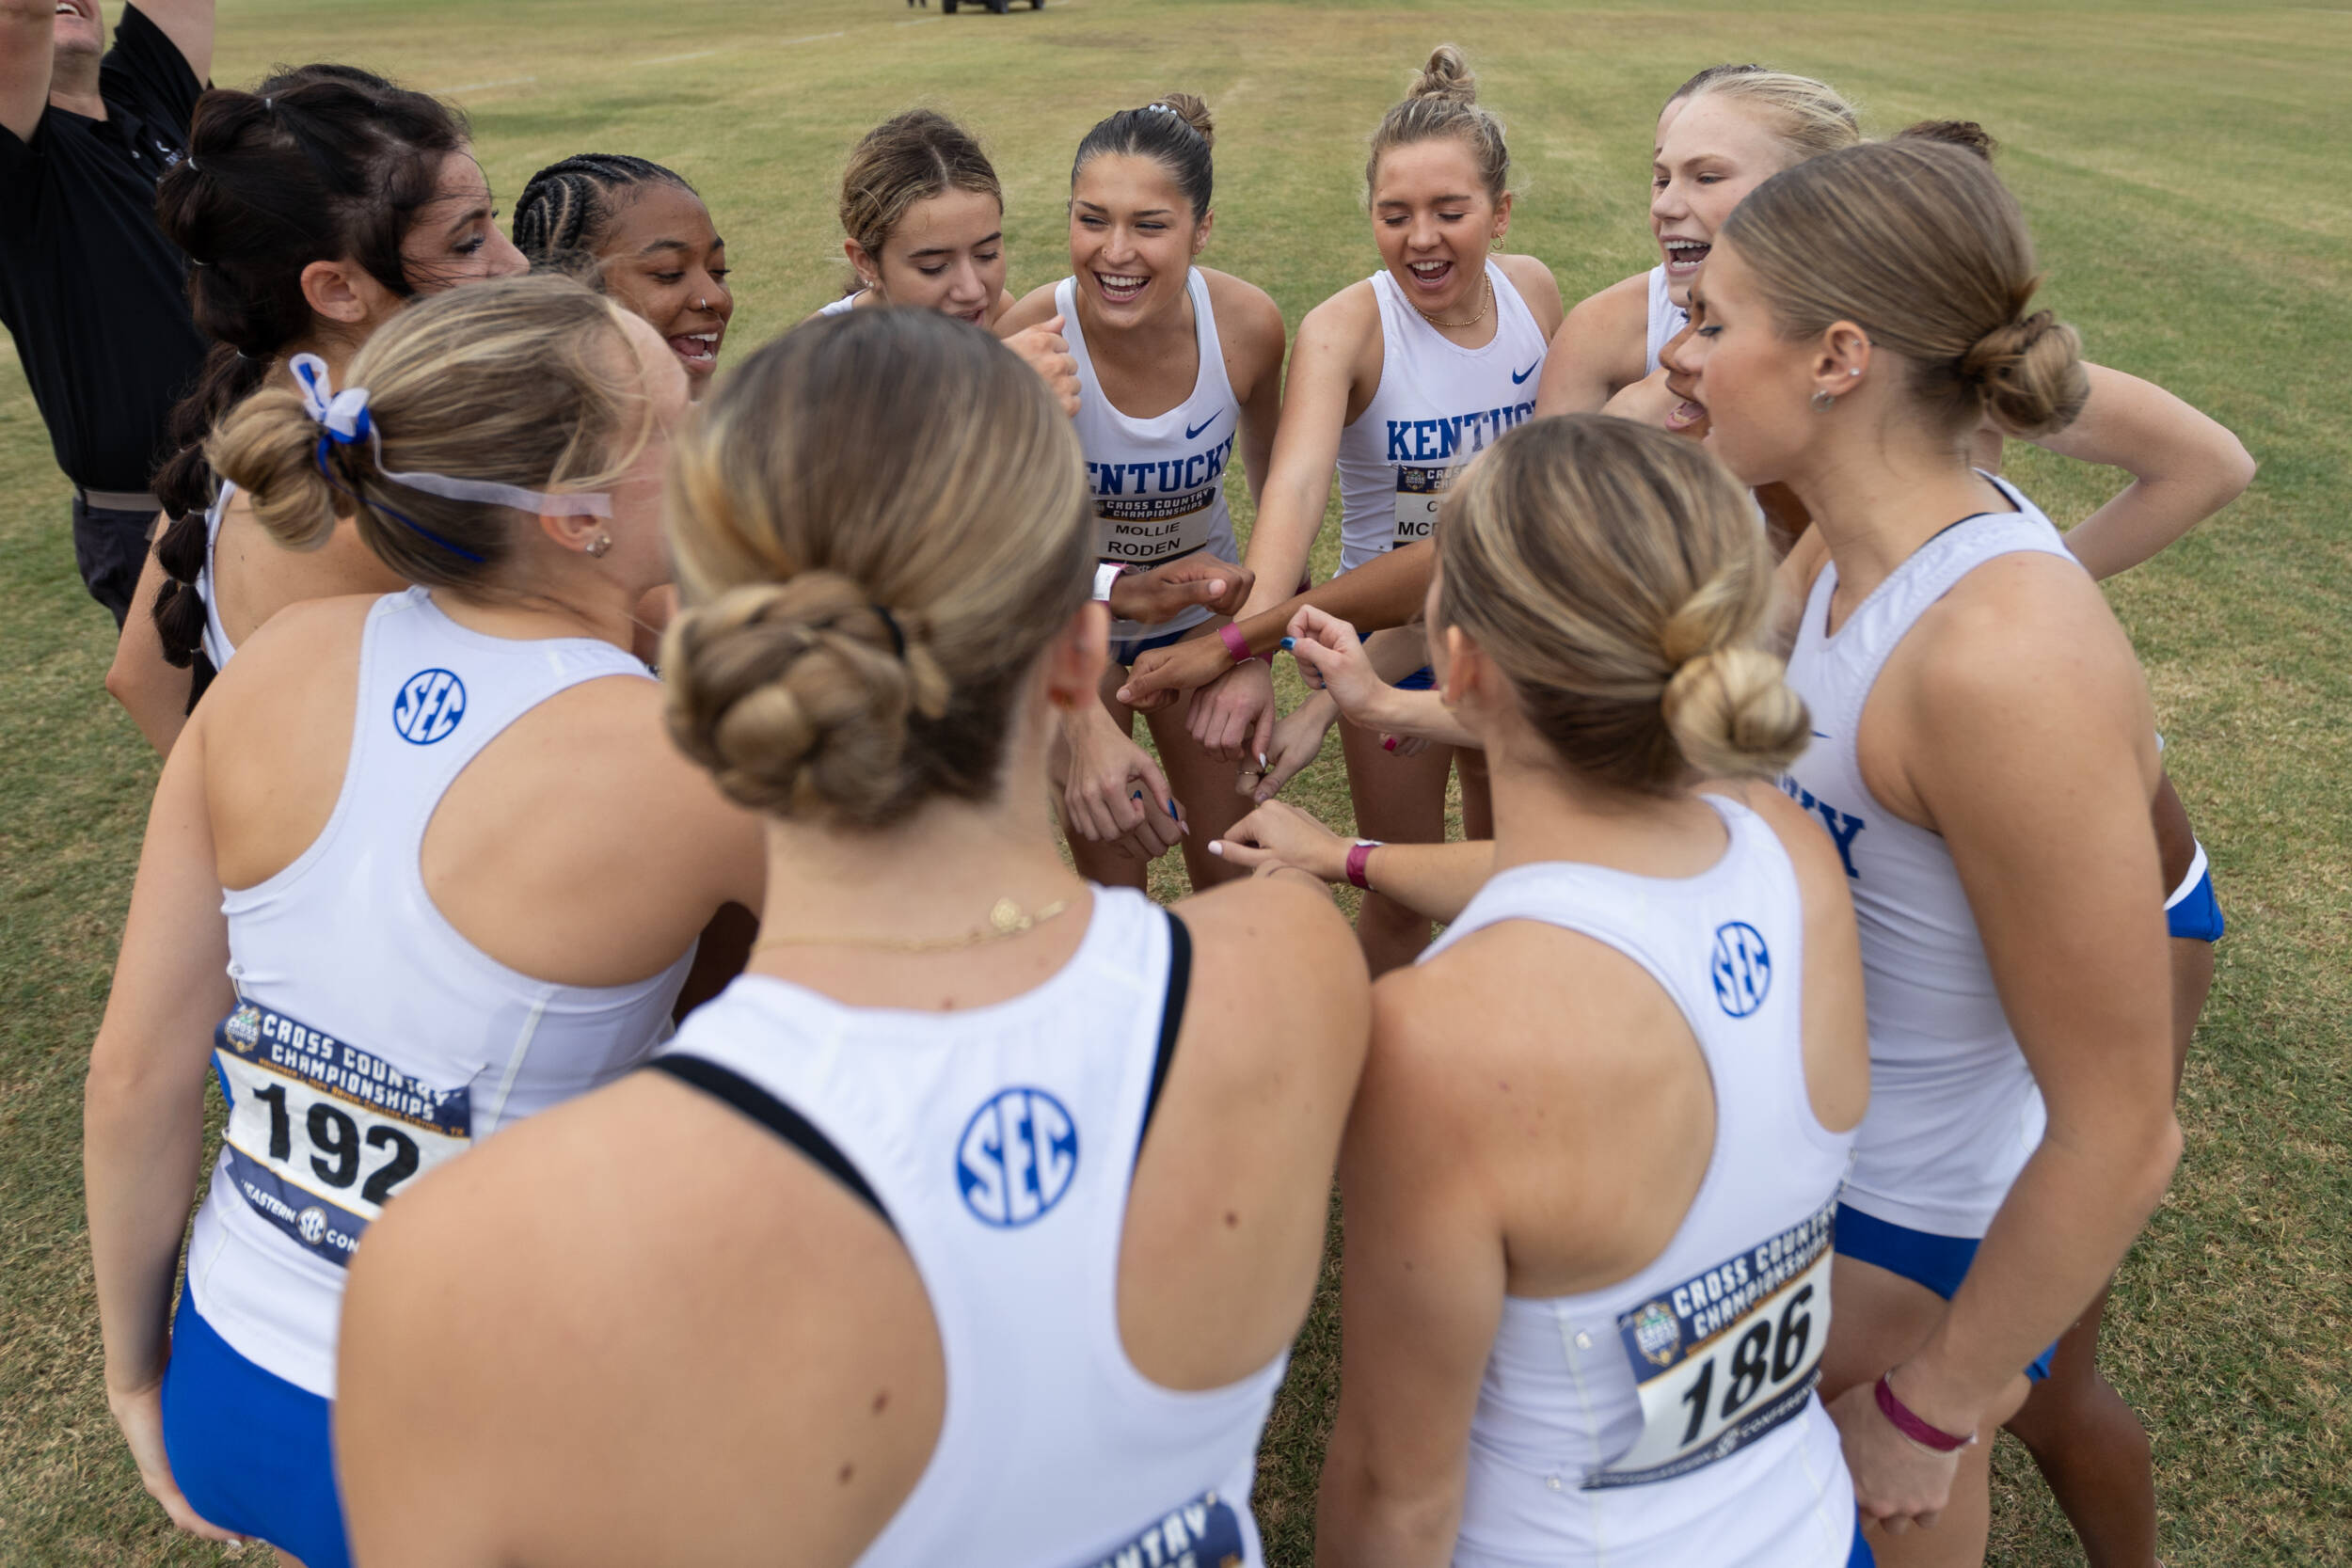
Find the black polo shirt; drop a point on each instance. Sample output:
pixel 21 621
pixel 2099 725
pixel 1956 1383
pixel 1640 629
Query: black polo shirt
pixel 94 296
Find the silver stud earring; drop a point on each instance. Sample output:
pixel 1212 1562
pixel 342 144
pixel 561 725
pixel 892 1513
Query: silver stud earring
pixel 1823 401
pixel 599 545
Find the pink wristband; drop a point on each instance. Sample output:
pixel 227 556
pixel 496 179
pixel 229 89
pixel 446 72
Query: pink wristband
pixel 1238 646
pixel 1360 856
pixel 1899 1416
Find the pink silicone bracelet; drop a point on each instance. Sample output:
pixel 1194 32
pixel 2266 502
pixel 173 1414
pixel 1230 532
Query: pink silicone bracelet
pixel 1899 1414
pixel 1238 646
pixel 1358 857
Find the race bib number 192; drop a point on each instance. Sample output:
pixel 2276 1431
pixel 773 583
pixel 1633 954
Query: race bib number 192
pixel 1417 491
pixel 1727 1355
pixel 322 1134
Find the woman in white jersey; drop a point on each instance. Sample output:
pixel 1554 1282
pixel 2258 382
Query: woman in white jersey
pixel 2084 1437
pixel 421 865
pixel 923 225
pixel 973 1222
pixel 1395 382
pixel 314 208
pixel 1984 759
pixel 1590 1178
pixel 1180 377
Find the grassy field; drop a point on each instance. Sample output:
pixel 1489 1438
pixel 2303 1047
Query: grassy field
pixel 2182 168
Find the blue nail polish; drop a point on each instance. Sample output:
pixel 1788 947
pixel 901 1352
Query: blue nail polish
pixel 1288 643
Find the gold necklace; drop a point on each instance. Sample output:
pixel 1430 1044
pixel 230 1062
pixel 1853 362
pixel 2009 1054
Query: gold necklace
pixel 1005 919
pixel 1486 306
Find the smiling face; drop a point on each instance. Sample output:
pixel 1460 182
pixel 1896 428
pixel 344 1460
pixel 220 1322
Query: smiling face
pixel 1435 224
pixel 453 238
pixel 661 257
pixel 1710 152
pixel 1131 238
pixel 946 253
pixel 1751 383
pixel 80 28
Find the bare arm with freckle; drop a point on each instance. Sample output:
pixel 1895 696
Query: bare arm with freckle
pixel 1598 350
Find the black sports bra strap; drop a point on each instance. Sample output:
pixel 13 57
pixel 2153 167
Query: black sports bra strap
pixel 1171 1017
pixel 774 1114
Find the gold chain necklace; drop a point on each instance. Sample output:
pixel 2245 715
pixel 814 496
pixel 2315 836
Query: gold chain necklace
pixel 1487 305
pixel 1005 919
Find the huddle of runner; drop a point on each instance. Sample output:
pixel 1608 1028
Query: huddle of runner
pixel 892 1181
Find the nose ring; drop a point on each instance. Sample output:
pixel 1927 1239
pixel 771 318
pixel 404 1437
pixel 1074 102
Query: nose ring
pixel 703 304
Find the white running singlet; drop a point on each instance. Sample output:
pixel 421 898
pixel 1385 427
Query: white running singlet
pixel 1666 319
pixel 1438 406
pixel 370 1040
pixel 1158 483
pixel 217 648
pixel 999 1143
pixel 1670 1419
pixel 841 306
pixel 1954 1113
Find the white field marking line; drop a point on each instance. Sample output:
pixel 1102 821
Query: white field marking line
pixel 916 23
pixel 813 37
pixel 480 87
pixel 673 59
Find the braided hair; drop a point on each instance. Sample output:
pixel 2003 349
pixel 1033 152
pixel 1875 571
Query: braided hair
pixel 567 208
pixel 317 162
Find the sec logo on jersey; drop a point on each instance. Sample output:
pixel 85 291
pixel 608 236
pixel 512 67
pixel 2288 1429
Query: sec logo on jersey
pixel 1017 1157
pixel 429 705
pixel 1742 968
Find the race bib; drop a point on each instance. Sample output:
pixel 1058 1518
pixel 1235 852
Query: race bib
pixel 1417 494
pixel 1727 1355
pixel 1203 1533
pixel 322 1134
pixel 1144 531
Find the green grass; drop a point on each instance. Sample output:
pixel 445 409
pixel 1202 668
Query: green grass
pixel 2182 168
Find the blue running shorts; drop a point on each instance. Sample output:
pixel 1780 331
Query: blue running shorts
pixel 251 1451
pixel 1938 1262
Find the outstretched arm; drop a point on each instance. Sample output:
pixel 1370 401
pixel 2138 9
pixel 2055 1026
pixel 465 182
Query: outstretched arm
pixel 2185 467
pixel 188 24
pixel 28 32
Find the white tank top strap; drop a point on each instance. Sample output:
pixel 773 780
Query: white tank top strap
pixel 1954 1110
pixel 999 1143
pixel 1670 1417
pixel 1438 406
pixel 217 648
pixel 841 306
pixel 371 1040
pixel 1666 319
pixel 1158 483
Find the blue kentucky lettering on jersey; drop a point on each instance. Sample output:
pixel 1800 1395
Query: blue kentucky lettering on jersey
pixel 1171 476
pixel 1440 440
pixel 1017 1157
pixel 1202 1533
pixel 1842 825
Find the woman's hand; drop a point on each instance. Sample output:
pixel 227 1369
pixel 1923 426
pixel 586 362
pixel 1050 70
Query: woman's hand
pixel 1331 658
pixel 1297 742
pixel 1897 1482
pixel 141 1415
pixel 1232 717
pixel 1160 676
pixel 1166 591
pixel 1115 794
pixel 1048 354
pixel 1279 832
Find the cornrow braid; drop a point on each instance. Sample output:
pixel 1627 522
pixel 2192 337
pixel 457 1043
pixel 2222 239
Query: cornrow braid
pixel 565 209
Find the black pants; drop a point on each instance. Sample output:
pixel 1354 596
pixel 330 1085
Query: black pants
pixel 110 547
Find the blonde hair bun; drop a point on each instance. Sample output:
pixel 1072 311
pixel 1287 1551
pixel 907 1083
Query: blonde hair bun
pixel 795 693
pixel 2030 372
pixel 1732 713
pixel 1447 76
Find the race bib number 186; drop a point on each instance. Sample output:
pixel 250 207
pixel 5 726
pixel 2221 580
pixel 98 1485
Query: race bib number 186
pixel 1727 1355
pixel 322 1134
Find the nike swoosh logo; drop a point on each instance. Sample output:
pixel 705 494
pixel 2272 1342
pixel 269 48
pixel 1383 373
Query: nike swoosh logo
pixel 1195 430
pixel 1518 376
pixel 1818 736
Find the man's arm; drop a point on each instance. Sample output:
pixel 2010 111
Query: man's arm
pixel 28 30
pixel 188 24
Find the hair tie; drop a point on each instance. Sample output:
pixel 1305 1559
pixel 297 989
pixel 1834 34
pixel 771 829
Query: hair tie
pixel 890 624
